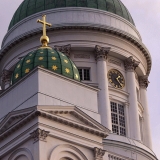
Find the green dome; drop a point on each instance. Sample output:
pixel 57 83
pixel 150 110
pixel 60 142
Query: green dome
pixel 46 58
pixel 30 7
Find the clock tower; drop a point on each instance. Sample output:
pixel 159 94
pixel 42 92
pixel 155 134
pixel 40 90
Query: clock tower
pixel 82 93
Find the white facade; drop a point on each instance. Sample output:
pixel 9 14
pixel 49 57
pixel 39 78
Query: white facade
pixel 70 112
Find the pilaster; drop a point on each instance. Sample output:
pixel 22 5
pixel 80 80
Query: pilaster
pixel 143 83
pixel 39 141
pixel 130 65
pixel 66 49
pixel 101 54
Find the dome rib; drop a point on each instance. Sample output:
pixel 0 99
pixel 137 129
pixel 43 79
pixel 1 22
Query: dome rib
pixel 29 7
pixel 120 8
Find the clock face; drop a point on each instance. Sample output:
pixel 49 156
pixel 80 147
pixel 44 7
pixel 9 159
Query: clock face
pixel 116 78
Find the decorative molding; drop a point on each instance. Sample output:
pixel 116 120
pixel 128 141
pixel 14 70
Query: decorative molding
pixel 66 49
pixel 11 121
pixel 109 30
pixel 98 153
pixel 21 151
pixel 39 135
pixel 143 81
pixel 140 148
pixel 113 61
pixel 126 104
pixel 131 64
pixel 101 53
pixel 58 150
pixel 84 56
pixel 100 131
pixel 114 157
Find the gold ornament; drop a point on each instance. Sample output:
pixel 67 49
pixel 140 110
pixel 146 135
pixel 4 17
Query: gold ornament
pixel 67 70
pixel 44 39
pixel 27 70
pixel 54 67
pixel 17 75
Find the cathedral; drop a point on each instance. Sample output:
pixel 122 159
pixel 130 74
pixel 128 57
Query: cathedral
pixel 74 78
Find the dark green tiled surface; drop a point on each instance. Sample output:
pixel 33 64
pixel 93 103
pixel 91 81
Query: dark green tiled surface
pixel 45 58
pixel 29 7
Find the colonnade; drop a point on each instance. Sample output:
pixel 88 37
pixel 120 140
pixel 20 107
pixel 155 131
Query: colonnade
pixel 132 115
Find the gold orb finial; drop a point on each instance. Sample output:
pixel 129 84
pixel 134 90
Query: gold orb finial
pixel 44 39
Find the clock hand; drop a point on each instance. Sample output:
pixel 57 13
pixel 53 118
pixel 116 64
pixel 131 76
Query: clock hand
pixel 119 81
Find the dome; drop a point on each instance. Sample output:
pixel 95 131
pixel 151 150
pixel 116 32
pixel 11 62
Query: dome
pixel 30 7
pixel 47 58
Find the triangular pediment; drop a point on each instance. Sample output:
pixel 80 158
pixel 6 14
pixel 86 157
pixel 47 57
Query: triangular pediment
pixel 13 118
pixel 75 116
pixel 67 115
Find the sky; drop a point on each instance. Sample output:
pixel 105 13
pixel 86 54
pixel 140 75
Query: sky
pixel 146 15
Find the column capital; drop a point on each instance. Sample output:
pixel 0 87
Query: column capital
pixel 66 49
pixel 98 153
pixel 39 134
pixel 101 53
pixel 131 64
pixel 6 76
pixel 6 79
pixel 143 81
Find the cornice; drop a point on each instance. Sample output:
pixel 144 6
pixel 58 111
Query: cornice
pixel 149 153
pixel 110 30
pixel 68 9
pixel 103 132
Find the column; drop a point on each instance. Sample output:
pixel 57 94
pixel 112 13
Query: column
pixel 130 65
pixel 143 83
pixel 64 49
pixel 103 95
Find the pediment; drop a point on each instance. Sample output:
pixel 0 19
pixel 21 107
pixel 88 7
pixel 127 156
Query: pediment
pixel 74 116
pixel 70 116
pixel 13 118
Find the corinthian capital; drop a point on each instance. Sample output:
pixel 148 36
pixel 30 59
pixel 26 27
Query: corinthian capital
pixel 101 52
pixel 64 49
pixel 143 81
pixel 39 134
pixel 98 153
pixel 131 64
pixel 6 76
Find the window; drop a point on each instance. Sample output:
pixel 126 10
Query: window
pixel 84 74
pixel 118 119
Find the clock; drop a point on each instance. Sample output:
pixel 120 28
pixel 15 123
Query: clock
pixel 116 78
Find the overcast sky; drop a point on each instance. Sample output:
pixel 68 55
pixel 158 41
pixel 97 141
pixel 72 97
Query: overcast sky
pixel 146 15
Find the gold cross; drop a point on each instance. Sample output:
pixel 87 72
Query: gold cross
pixel 44 39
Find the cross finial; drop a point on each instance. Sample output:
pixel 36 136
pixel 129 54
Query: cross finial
pixel 44 39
